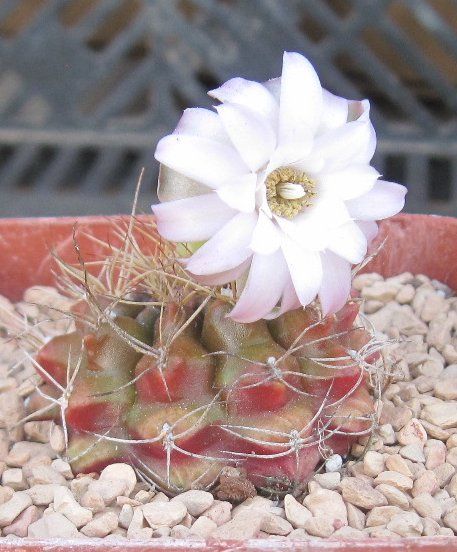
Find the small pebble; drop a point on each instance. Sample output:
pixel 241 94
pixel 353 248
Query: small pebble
pixel 406 524
pixel 203 527
pixel 108 489
pixel 195 501
pixel 42 495
pixel 373 463
pixel 356 518
pixel 62 467
pixel 21 524
pixel 53 525
pixel 66 504
pixel 348 533
pixel 435 453
pixel 329 480
pixel 327 504
pixel 38 431
pixel 13 507
pixel 450 519
pixel 14 478
pixel 101 525
pixel 320 527
pixel 397 463
pixel 427 506
pixel 242 527
pixel 402 482
pixel 298 534
pixel 413 452
pixel 275 525
pixel 333 463
pixel 412 433
pixel 120 472
pixel 167 514
pixel 219 512
pixel 360 493
pixel 381 515
pixel 42 475
pixel 57 439
pixel 444 474
pixel 425 483
pixel 296 513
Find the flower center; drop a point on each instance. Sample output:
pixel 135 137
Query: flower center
pixel 289 191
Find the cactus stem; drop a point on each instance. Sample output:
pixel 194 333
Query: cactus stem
pixel 91 447
pixel 296 425
pixel 348 393
pixel 154 479
pixel 167 429
pixel 235 355
pixel 294 349
pixel 42 371
pixel 124 386
pixel 63 401
pixel 134 343
pixel 189 320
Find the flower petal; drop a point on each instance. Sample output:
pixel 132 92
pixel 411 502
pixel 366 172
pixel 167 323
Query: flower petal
pixel 369 228
pixel 313 228
pixel 202 123
pixel 289 301
pixel 349 242
pixel 263 289
pixel 357 139
pixel 311 164
pixel 266 238
pixel 305 269
pixel 349 182
pixel 249 94
pixel 300 105
pixel 227 249
pixel 334 112
pixel 274 87
pixel 252 136
pixel 206 161
pixel 225 277
pixel 336 282
pixel 239 193
pixel 362 112
pixel 191 219
pixel 382 201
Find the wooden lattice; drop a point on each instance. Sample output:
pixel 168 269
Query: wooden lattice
pixel 88 86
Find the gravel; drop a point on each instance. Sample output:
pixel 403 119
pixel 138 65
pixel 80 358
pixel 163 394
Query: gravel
pixel 401 482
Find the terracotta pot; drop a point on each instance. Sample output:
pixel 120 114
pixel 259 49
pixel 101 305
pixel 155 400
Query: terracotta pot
pixel 416 243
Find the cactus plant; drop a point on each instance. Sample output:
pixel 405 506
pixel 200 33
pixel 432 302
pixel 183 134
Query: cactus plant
pixel 179 389
pixel 189 357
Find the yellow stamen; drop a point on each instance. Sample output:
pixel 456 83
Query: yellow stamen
pixel 289 191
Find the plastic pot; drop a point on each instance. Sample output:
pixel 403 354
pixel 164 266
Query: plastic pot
pixel 417 243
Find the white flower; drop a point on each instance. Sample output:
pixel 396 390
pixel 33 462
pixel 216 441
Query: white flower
pixel 277 182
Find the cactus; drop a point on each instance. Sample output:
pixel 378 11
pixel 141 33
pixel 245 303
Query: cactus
pixel 180 390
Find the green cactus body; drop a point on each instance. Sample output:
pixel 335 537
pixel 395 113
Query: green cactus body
pixel 200 395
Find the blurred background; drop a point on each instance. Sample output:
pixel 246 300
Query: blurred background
pixel 87 87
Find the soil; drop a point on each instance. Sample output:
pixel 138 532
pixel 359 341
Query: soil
pixel 400 482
